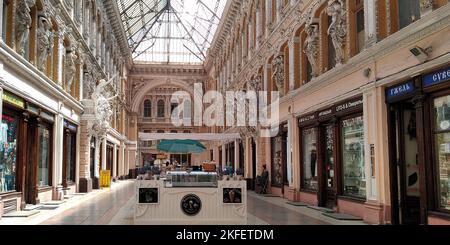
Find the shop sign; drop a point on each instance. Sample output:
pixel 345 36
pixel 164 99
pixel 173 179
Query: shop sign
pixel 13 99
pixel 399 90
pixel 325 113
pixel 307 118
pixel 70 126
pixel 436 77
pixel 47 116
pixel 349 105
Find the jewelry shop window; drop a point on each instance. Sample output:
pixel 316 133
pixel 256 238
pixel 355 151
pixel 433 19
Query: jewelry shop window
pixel 8 153
pixel 353 157
pixel 44 156
pixel 309 159
pixel 442 139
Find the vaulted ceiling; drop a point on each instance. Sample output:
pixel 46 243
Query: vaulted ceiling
pixel 170 31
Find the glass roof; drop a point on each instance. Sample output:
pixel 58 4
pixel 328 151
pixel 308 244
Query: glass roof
pixel 170 31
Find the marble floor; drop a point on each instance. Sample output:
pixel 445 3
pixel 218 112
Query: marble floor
pixel 115 207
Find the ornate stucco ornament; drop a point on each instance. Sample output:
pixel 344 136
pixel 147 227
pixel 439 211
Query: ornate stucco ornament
pixel 70 67
pixel 103 109
pixel 278 73
pixel 338 27
pixel 45 37
pixel 23 23
pixel 312 47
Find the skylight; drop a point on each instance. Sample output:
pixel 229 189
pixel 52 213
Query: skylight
pixel 170 31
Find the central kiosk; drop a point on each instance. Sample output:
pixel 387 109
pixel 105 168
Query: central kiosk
pixel 190 198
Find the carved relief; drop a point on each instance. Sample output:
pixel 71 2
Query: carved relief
pixel 69 5
pixel 45 37
pixel 278 73
pixel 88 80
pixel 103 109
pixel 312 47
pixel 338 27
pixel 426 6
pixel 255 84
pixel 23 24
pixel 70 68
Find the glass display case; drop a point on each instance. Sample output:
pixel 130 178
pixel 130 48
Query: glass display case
pixel 191 179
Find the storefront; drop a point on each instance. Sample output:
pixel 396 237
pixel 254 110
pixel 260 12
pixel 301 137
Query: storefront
pixel 332 155
pixel 69 154
pixel 26 150
pixel 419 143
pixel 278 147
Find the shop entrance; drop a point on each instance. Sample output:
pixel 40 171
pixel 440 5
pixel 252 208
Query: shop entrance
pixel 328 186
pixel 404 164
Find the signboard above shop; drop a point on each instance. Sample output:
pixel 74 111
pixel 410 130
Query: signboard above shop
pixel 400 90
pixel 436 77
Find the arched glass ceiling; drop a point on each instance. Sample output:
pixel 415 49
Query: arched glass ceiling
pixel 170 31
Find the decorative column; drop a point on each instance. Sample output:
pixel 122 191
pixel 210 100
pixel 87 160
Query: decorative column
pixel 86 20
pixel 295 141
pixel 289 147
pixel 103 152
pixel 236 155
pixel 58 156
pixel 251 37
pixel 61 52
pixel 292 66
pixel 97 164
pixel 114 165
pixel 1 24
pixel 1 92
pixel 279 4
pixel 267 75
pixel 244 46
pixel 269 17
pixel 258 24
pixel 224 156
pixel 370 22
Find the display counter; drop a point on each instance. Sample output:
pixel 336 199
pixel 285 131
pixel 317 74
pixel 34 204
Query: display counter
pixel 195 198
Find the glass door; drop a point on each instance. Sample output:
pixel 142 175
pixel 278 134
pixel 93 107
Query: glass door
pixel 405 165
pixel 329 165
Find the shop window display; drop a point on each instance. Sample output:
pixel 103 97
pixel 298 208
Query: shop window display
pixel 277 172
pixel 353 157
pixel 309 150
pixel 44 158
pixel 8 153
pixel 442 137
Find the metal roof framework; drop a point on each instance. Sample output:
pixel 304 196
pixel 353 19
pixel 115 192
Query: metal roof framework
pixel 170 31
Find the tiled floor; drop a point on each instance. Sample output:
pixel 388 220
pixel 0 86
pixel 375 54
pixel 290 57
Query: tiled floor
pixel 115 207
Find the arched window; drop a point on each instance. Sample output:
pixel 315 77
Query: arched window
pixel 147 109
pixel 161 109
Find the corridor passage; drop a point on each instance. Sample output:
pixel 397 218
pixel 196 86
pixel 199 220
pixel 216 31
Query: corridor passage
pixel 115 207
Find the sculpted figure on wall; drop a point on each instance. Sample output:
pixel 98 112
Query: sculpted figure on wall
pixel 103 109
pixel 278 73
pixel 70 68
pixel 255 84
pixel 44 41
pixel 312 47
pixel 88 80
pixel 23 24
pixel 338 27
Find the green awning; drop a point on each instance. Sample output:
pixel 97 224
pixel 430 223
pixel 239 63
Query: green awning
pixel 181 146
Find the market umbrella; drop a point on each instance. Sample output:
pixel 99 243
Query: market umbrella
pixel 181 146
